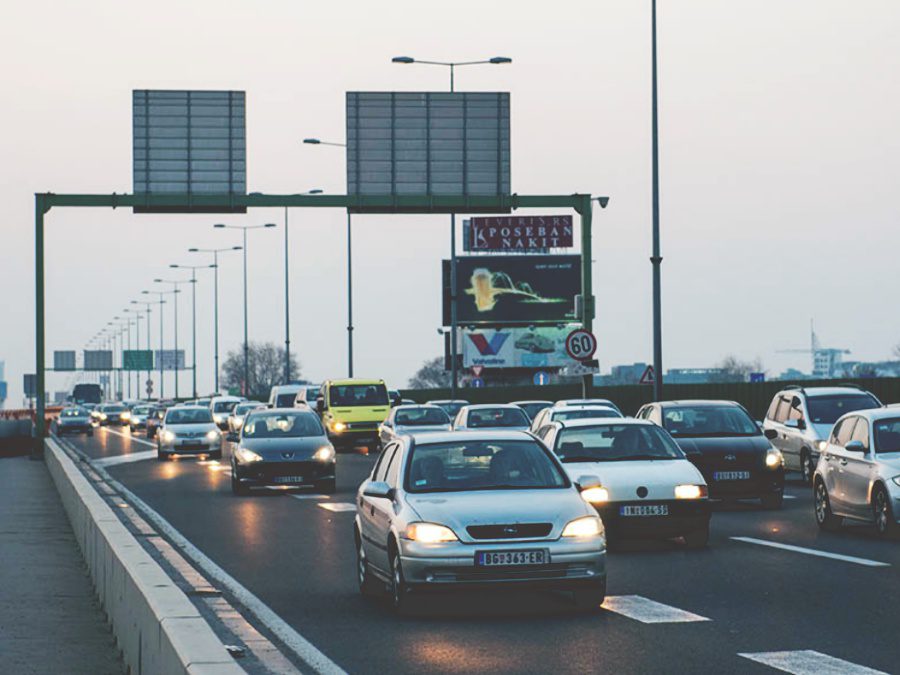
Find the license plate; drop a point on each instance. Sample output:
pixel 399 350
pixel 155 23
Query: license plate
pixel 287 479
pixel 511 558
pixel 731 475
pixel 648 510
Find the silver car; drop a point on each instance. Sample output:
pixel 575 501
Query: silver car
pixel 491 416
pixel 858 474
pixel 188 430
pixel 476 509
pixel 407 419
pixel 562 413
pixel 139 414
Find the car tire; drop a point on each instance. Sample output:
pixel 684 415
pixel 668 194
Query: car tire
pixel 215 454
pixel 399 590
pixel 162 456
pixel 697 539
pixel 883 514
pixel 327 487
pixel 825 519
pixel 237 488
pixel 368 584
pixel 772 501
pixel 807 470
pixel 590 599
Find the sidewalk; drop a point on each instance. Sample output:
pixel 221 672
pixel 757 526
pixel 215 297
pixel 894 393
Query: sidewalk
pixel 50 620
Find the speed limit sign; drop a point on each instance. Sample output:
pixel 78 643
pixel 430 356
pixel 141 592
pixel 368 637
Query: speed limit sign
pixel 581 344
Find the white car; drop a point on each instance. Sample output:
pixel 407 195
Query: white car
pixel 238 413
pixel 858 474
pixel 418 419
pixel 188 430
pixel 221 407
pixel 503 416
pixel 589 401
pixel 648 488
pixel 562 413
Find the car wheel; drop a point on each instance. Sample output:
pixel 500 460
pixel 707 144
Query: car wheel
pixel 698 539
pixel 772 501
pixel 215 454
pixel 368 584
pixel 806 467
pixel 589 599
pixel 884 514
pixel 825 519
pixel 162 456
pixel 399 589
pixel 327 487
pixel 237 488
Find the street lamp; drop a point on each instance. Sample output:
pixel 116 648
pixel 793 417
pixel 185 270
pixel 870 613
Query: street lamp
pixel 494 60
pixel 656 258
pixel 162 352
pixel 244 228
pixel 193 269
pixel 175 291
pixel 147 305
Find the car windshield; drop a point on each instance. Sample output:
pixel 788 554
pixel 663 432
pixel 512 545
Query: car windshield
pixel 224 406
pixel 584 414
pixel 74 412
pixel 113 408
pixel 285 400
pixel 451 407
pixel 141 410
pixel 481 418
pixel 708 420
pixel 188 416
pixel 244 408
pixel 282 425
pixel 616 443
pixel 312 393
pixel 481 465
pixel 532 409
pixel 358 394
pixel 887 435
pixel 827 409
pixel 412 417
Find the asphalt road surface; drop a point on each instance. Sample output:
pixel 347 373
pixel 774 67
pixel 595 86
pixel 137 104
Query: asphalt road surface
pixel 741 606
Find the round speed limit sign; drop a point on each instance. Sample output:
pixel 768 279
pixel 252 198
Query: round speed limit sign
pixel 581 344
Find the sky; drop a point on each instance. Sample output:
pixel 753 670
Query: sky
pixel 779 158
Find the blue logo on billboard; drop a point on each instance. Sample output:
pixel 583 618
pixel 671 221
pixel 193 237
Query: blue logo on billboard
pixel 491 348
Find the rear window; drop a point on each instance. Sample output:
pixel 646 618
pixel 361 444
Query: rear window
pixel 224 406
pixel 482 418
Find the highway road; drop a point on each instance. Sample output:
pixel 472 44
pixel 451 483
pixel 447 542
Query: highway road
pixel 744 605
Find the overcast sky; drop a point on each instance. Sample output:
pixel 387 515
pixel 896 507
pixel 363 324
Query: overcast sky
pixel 779 168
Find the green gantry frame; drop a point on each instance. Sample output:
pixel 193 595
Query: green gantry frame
pixel 198 204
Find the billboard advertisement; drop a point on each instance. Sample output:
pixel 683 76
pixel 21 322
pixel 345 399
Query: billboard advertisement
pixel 166 359
pixel 541 347
pixel 518 233
pixel 98 359
pixel 521 289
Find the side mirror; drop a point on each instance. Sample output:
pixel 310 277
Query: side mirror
pixel 771 434
pixel 855 446
pixel 586 482
pixel 379 489
pixel 320 404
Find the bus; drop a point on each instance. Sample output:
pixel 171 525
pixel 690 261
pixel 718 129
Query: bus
pixel 87 393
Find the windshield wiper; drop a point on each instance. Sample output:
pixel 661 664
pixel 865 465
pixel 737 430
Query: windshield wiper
pixel 580 458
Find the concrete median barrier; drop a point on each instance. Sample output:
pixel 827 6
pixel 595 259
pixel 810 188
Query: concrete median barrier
pixel 157 627
pixel 15 437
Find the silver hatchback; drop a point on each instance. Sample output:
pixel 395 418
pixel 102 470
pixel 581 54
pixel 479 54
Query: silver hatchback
pixel 476 509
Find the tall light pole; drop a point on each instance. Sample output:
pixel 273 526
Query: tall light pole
pixel 175 291
pixel 656 259
pixel 162 341
pixel 215 265
pixel 246 384
pixel 124 373
pixel 139 316
pixel 452 65
pixel 316 141
pixel 193 269
pixel 147 305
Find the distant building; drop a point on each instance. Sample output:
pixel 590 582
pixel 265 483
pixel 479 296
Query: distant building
pixel 695 375
pixel 4 388
pixel 852 369
pixel 827 362
pixel 793 374
pixel 621 375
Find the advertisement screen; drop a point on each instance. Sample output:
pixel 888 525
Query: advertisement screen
pixel 526 289
pixel 541 347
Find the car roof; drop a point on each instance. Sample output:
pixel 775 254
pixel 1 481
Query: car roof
pixel 304 411
pixel 344 382
pixel 288 388
pixel 438 401
pixel 549 403
pixel 226 398
pixel 698 401
pixel 606 421
pixel 427 438
pixel 486 406
pixel 812 392
pixel 875 414
pixel 407 406
pixel 594 406
pixel 190 407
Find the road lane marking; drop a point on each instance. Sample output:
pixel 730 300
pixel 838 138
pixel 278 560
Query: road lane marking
pixel 814 552
pixel 648 611
pixel 128 436
pixel 790 497
pixel 311 496
pixel 337 506
pixel 126 459
pixel 809 662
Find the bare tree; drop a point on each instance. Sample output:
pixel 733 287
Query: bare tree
pixel 431 375
pixel 266 365
pixel 735 370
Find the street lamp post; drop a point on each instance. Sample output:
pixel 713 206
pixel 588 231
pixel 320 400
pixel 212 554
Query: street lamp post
pixel 215 266
pixel 162 340
pixel 149 346
pixel 246 384
pixel 454 366
pixel 656 259
pixel 175 291
pixel 193 269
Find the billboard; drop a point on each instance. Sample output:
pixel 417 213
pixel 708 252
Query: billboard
pixel 137 359
pixel 516 289
pixel 428 144
pixel 540 347
pixel 29 385
pixel 64 360
pixel 98 359
pixel 518 233
pixel 166 359
pixel 187 143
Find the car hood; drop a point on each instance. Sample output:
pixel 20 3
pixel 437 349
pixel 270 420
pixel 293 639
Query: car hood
pixel 524 427
pixel 458 510
pixel 717 444
pixel 890 459
pixel 191 429
pixel 274 448
pixel 622 479
pixel 421 429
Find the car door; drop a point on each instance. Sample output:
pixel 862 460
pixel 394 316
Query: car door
pixel 836 463
pixel 783 441
pixel 366 510
pixel 386 434
pixel 380 511
pixel 858 468
pixel 540 420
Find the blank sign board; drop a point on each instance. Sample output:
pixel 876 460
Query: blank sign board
pixel 64 360
pixel 98 359
pixel 428 144
pixel 189 143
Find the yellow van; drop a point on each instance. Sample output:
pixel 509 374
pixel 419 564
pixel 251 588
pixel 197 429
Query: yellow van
pixel 352 411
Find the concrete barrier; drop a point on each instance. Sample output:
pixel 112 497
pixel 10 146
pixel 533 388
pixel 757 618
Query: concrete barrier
pixel 15 436
pixel 157 627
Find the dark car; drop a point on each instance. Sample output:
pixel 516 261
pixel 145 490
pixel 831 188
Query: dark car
pixel 285 447
pixel 736 458
pixel 154 420
pixel 74 421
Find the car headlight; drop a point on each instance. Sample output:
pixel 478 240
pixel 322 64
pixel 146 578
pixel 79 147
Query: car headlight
pixel 774 458
pixel 324 454
pixel 338 426
pixel 588 526
pixel 246 455
pixel 690 491
pixel 217 419
pixel 595 495
pixel 429 533
pixel 238 421
pixel 821 445
pixel 167 436
pixel 126 415
pixel 102 416
pixel 896 480
pixel 212 435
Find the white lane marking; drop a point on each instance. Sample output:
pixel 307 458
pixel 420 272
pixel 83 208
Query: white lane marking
pixel 125 459
pixel 338 506
pixel 814 552
pixel 809 662
pixel 790 497
pixel 302 648
pixel 134 439
pixel 648 611
pixel 311 496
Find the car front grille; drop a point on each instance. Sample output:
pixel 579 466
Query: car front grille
pixel 510 531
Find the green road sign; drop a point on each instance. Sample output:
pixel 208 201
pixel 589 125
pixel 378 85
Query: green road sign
pixel 137 359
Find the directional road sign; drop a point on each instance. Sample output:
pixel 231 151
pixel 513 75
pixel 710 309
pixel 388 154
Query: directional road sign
pixel 476 383
pixel 541 378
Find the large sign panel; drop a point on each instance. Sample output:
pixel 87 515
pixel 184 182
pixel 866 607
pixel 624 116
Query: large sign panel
pixel 167 359
pixel 428 144
pixel 540 347
pixel 98 359
pixel 64 360
pixel 137 359
pixel 189 143
pixel 518 234
pixel 515 289
pixel 29 384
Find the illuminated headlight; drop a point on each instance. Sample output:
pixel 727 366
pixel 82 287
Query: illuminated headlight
pixel 589 526
pixel 324 454
pixel 821 445
pixel 125 415
pixel 212 435
pixel 429 533
pixel 338 427
pixel 896 480
pixel 690 491
pixel 167 436
pixel 238 422
pixel 246 455
pixel 774 458
pixel 102 416
pixel 595 495
pixel 217 419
